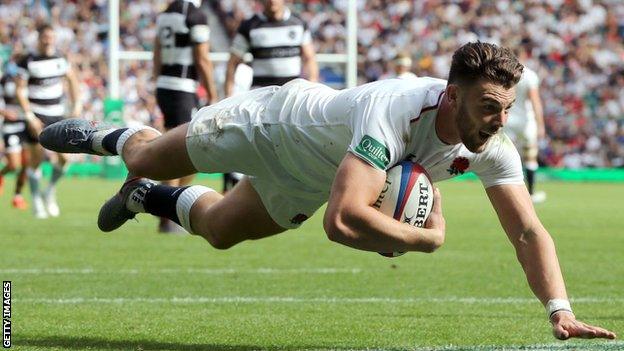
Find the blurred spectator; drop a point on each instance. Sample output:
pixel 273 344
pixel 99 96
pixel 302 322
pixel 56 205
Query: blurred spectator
pixel 576 46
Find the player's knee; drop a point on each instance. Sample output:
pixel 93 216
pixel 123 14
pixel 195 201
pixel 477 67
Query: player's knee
pixel 219 242
pixel 140 167
pixel 135 166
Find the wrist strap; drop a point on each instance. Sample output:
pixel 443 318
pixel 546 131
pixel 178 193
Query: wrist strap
pixel 557 305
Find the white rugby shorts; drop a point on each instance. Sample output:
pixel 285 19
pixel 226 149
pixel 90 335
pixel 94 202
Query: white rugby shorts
pixel 230 137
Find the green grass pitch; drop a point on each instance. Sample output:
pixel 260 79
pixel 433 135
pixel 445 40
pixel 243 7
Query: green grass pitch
pixel 76 288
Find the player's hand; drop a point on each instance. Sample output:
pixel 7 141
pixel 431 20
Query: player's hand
pixel 9 115
pixel 436 219
pixel 566 326
pixel 34 126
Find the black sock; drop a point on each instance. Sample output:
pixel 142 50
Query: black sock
pixel 21 180
pixel 161 201
pixel 109 142
pixel 530 176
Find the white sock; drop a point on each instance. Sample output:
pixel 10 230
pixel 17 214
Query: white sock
pixel 531 165
pixel 34 180
pixel 96 144
pixel 128 133
pixel 136 200
pixel 185 203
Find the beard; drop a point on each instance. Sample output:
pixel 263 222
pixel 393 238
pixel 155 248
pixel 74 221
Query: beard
pixel 469 131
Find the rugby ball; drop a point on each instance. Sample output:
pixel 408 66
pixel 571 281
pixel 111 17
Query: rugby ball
pixel 407 196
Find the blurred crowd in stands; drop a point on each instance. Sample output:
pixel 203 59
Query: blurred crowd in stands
pixel 575 46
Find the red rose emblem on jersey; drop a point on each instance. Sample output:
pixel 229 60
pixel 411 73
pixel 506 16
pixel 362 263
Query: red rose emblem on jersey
pixel 459 166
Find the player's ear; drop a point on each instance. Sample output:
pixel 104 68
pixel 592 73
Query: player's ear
pixel 452 92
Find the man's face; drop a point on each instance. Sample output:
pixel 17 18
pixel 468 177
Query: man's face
pixel 46 41
pixel 481 112
pixel 272 7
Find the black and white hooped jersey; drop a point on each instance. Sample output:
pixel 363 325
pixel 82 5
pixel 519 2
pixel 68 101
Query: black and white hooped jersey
pixel 45 83
pixel 181 26
pixel 8 91
pixel 8 100
pixel 274 45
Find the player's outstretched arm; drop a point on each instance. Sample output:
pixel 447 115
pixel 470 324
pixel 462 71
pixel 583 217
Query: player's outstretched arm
pixel 536 252
pixel 350 218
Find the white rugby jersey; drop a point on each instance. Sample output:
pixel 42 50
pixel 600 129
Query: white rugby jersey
pixel 522 111
pixel 313 126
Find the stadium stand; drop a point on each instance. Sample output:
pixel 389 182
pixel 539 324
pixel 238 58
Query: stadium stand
pixel 577 48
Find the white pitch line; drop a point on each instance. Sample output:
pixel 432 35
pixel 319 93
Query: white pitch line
pixel 212 271
pixel 287 299
pixel 572 346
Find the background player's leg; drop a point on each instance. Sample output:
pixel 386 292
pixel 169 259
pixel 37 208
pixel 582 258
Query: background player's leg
pixel 58 170
pixel 34 180
pixel 12 164
pixel 18 200
pixel 531 165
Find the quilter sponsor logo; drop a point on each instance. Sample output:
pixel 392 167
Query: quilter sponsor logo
pixel 373 151
pixel 6 314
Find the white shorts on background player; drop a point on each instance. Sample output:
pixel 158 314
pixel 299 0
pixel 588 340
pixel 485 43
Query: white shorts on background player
pixel 521 126
pixel 291 139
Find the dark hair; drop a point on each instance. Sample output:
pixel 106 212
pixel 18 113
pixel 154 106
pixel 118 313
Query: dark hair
pixel 42 28
pixel 474 61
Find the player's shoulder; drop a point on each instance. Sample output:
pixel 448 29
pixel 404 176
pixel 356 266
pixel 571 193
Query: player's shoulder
pixel 418 90
pixel 173 7
pixel 500 147
pixel 250 23
pixel 253 21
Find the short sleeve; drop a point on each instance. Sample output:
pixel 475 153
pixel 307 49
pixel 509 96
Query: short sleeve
pixel 197 22
pixel 307 37
pixel 379 133
pixel 504 165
